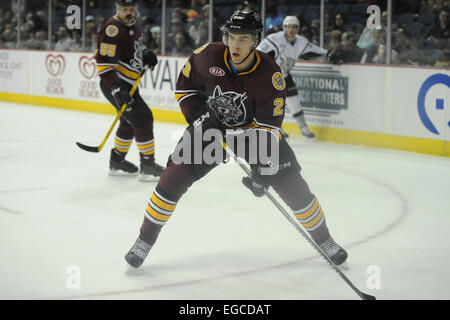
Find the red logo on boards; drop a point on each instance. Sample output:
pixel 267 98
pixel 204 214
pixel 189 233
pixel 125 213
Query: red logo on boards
pixel 55 64
pixel 87 67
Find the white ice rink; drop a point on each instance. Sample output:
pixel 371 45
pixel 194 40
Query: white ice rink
pixel 61 213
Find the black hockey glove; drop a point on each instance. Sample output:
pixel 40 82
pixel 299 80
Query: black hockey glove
pixel 149 59
pixel 121 94
pixel 333 56
pixel 207 120
pixel 257 183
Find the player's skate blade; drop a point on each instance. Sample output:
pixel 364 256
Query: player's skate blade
pixel 122 168
pixel 150 172
pixel 333 251
pixel 307 133
pixel 137 254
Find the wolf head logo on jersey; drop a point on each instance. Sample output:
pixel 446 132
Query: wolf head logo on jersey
pixel 139 48
pixel 229 106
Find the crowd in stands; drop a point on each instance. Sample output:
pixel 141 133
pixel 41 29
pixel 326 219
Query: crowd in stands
pixel 420 28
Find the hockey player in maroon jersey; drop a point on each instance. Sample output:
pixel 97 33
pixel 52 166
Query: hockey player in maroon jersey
pixel 121 56
pixel 231 86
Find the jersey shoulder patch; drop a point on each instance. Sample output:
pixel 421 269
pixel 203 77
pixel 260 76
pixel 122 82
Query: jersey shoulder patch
pixel 278 81
pixel 112 31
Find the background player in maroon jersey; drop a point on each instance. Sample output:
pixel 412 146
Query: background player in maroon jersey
pixel 121 56
pixel 229 86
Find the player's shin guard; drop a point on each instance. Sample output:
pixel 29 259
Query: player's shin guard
pixel 159 210
pixel 312 220
pixel 149 169
pixel 118 166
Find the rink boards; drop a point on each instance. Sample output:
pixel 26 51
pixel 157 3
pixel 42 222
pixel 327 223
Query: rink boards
pixel 403 108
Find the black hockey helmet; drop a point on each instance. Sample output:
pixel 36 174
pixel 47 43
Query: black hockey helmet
pixel 126 2
pixel 242 21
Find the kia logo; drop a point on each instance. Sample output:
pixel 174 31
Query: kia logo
pixel 87 67
pixel 55 64
pixel 216 71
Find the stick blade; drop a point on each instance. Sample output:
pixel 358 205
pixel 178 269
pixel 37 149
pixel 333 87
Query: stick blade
pixel 88 148
pixel 366 296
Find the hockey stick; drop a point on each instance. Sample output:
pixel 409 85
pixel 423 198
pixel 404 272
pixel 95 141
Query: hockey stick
pixel 119 114
pixel 363 295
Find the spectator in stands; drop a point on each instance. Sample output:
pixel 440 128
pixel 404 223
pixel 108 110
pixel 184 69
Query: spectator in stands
pixel 204 17
pixel 305 31
pixel 178 15
pixel 335 39
pixel 328 23
pixel 246 5
pixel 439 33
pixel 40 23
pixel 41 41
pixel 101 19
pixel 64 42
pixel 366 39
pixel 347 51
pixel 274 21
pixel 341 23
pixel 408 53
pixel 91 26
pixel 202 34
pixel 156 39
pixel 192 24
pixel 315 32
pixel 175 26
pixel 182 44
pixel 91 42
pixel 76 41
pixel 8 38
pixel 377 54
pixel 59 4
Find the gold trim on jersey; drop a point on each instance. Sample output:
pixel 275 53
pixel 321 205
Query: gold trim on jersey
pixel 255 125
pixel 180 95
pixel 130 74
pixel 258 60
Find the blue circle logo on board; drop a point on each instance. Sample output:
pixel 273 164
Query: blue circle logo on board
pixel 430 82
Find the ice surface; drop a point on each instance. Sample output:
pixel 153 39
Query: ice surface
pixel 59 209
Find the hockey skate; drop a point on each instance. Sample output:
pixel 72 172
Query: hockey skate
pixel 333 251
pixel 137 254
pixel 150 172
pixel 306 132
pixel 122 168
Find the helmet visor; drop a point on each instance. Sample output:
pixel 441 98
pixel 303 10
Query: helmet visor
pixel 239 40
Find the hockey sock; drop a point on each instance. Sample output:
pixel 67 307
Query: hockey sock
pixel 159 210
pixel 312 220
pixel 145 143
pixel 122 141
pixel 295 192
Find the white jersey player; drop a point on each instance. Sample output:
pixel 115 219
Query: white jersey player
pixel 286 47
